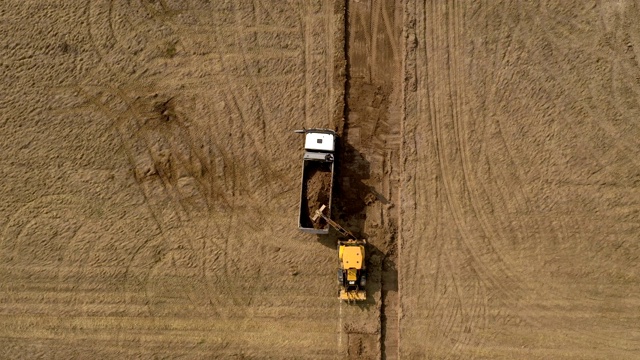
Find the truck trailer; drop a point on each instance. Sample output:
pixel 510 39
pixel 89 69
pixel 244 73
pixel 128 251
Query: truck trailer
pixel 317 178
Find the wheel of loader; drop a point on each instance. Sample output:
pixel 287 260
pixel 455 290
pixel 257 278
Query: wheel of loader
pixel 363 280
pixel 340 276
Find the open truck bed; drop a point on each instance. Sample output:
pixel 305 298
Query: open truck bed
pixel 317 184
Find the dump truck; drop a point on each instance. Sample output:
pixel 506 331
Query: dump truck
pixel 352 271
pixel 317 178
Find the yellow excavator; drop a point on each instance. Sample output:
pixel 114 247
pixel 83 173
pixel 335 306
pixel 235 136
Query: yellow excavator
pixel 352 275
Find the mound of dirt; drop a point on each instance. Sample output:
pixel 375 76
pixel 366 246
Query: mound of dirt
pixel 318 190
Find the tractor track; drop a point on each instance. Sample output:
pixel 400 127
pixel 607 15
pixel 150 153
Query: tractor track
pixel 371 133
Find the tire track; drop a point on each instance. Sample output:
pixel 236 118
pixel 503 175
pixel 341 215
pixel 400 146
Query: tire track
pixel 371 90
pixel 621 142
pixel 163 166
pixel 458 128
pixel 17 220
pixel 444 325
pixel 230 269
pixel 59 218
pixel 231 101
pixel 164 250
pixel 470 198
pixel 184 130
pixel 433 201
pixel 466 314
pixel 564 78
pixel 116 123
pixel 182 148
pixel 510 56
pixel 389 28
pixel 562 74
pixel 263 113
pixel 450 132
pixel 155 213
pixel 459 117
pixel 306 63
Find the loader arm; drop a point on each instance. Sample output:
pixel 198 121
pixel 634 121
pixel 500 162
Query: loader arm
pixel 340 229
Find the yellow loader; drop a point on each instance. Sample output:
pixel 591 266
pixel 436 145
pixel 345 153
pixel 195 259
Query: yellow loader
pixel 352 277
pixel 352 273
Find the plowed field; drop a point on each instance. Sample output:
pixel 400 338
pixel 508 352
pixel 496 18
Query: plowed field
pixel 489 153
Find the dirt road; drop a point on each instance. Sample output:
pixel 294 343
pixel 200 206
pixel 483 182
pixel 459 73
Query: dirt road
pixel 150 178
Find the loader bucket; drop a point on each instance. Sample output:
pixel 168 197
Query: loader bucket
pixel 353 296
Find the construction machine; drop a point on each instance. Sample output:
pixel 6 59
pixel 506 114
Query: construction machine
pixel 352 277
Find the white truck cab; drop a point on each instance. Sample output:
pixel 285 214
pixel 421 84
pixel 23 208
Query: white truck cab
pixel 320 141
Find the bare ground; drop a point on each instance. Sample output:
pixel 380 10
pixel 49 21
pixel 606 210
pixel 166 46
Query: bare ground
pixel 150 178
pixel 520 193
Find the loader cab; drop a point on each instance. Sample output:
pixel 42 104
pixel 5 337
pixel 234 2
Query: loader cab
pixel 352 257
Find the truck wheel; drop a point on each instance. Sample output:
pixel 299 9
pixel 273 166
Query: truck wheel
pixel 363 281
pixel 340 276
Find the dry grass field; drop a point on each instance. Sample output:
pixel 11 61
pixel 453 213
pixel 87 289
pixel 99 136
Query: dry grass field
pixel 490 154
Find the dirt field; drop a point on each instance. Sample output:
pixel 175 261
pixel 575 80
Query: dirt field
pixel 490 154
pixel 521 182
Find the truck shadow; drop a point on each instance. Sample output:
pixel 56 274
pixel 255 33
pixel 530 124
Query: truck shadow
pixel 350 194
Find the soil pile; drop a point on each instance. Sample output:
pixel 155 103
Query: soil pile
pixel 318 189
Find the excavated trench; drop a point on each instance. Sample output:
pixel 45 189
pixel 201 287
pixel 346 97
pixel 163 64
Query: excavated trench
pixel 363 185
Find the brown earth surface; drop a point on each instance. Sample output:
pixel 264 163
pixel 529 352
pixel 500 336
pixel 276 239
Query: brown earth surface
pixel 521 180
pixel 317 190
pixel 489 153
